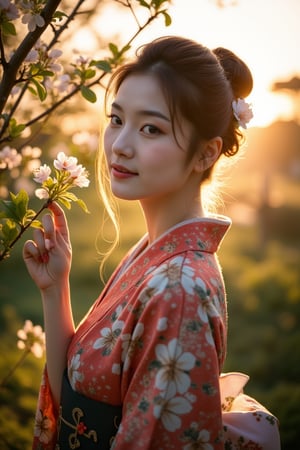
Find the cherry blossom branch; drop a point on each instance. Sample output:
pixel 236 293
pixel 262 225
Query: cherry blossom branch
pixel 23 228
pixel 32 340
pixel 95 82
pixel 11 69
pixel 2 52
pixel 18 218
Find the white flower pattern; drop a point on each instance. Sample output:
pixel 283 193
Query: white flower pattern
pixel 154 350
pixel 109 337
pixel 172 273
pixel 172 375
pixel 170 409
pixel 73 372
pixel 201 442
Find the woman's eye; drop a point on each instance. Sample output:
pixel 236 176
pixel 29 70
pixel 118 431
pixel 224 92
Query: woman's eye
pixel 151 129
pixel 115 120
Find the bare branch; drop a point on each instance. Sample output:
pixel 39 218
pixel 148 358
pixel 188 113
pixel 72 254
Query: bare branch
pixel 58 32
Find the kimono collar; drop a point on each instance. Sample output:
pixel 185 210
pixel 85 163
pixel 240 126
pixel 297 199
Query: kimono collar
pixel 198 234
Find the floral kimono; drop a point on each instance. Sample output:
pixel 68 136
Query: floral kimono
pixel 154 342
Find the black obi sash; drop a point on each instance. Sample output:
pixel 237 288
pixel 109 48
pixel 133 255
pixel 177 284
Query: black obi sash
pixel 84 423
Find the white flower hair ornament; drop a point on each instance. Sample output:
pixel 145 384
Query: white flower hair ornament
pixel 242 111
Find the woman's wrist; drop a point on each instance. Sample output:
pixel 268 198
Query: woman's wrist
pixel 58 290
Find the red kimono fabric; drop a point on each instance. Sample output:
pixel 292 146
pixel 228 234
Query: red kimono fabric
pixel 155 342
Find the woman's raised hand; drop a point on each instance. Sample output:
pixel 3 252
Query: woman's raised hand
pixel 48 256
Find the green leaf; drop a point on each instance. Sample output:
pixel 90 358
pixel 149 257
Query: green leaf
pixel 36 224
pixel 15 129
pixel 158 3
pixel 143 3
pixel 124 49
pixel 40 89
pixel 20 201
pixel 168 19
pixel 66 196
pixel 89 73
pixel 64 202
pixel 88 94
pixel 78 72
pixel 46 73
pixel 114 49
pixel 58 15
pixel 82 205
pixel 9 231
pixel 16 208
pixel 8 29
pixel 6 209
pixel 102 65
pixel 30 213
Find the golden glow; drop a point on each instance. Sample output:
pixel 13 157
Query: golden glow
pixel 266 34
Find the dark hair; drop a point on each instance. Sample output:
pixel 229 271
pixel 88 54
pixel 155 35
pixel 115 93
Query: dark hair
pixel 198 83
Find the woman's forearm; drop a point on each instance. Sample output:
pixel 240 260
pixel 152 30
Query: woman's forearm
pixel 59 329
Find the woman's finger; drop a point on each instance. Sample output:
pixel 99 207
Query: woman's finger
pixel 39 240
pixel 60 220
pixel 49 237
pixel 30 251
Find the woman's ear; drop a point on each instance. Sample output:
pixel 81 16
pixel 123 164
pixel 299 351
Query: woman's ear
pixel 208 154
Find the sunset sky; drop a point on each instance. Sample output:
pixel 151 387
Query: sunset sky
pixel 265 33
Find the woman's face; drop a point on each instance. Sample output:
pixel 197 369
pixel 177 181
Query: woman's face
pixel 144 158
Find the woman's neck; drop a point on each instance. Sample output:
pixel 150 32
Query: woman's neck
pixel 160 216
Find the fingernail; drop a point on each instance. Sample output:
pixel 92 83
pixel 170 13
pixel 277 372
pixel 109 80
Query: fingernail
pixel 48 244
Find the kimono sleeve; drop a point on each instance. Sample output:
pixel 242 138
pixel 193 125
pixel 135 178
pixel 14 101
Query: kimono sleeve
pixel 171 370
pixel 246 422
pixel 45 427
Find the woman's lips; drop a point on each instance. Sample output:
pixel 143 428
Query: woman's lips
pixel 121 171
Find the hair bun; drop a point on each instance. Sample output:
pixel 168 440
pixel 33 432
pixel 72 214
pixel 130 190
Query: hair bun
pixel 237 72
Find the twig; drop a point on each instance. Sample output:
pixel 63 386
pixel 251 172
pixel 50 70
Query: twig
pixel 2 52
pixel 23 229
pixel 10 70
pixel 94 82
pixel 62 28
pixel 14 368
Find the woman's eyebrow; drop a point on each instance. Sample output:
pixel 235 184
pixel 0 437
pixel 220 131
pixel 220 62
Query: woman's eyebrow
pixel 144 112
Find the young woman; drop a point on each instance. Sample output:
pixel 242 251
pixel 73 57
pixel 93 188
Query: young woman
pixel 142 370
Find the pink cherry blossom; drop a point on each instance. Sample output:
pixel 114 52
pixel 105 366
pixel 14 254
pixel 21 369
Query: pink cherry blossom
pixel 42 193
pixel 9 9
pixel 81 181
pixel 10 158
pixel 242 112
pixel 33 21
pixel 42 173
pixel 64 162
pixel 32 338
pixel 79 174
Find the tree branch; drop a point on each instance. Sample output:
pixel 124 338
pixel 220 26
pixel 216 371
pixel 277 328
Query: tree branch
pixel 93 83
pixel 11 69
pixel 71 17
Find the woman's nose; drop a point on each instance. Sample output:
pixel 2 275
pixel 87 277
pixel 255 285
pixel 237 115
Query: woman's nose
pixel 123 144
